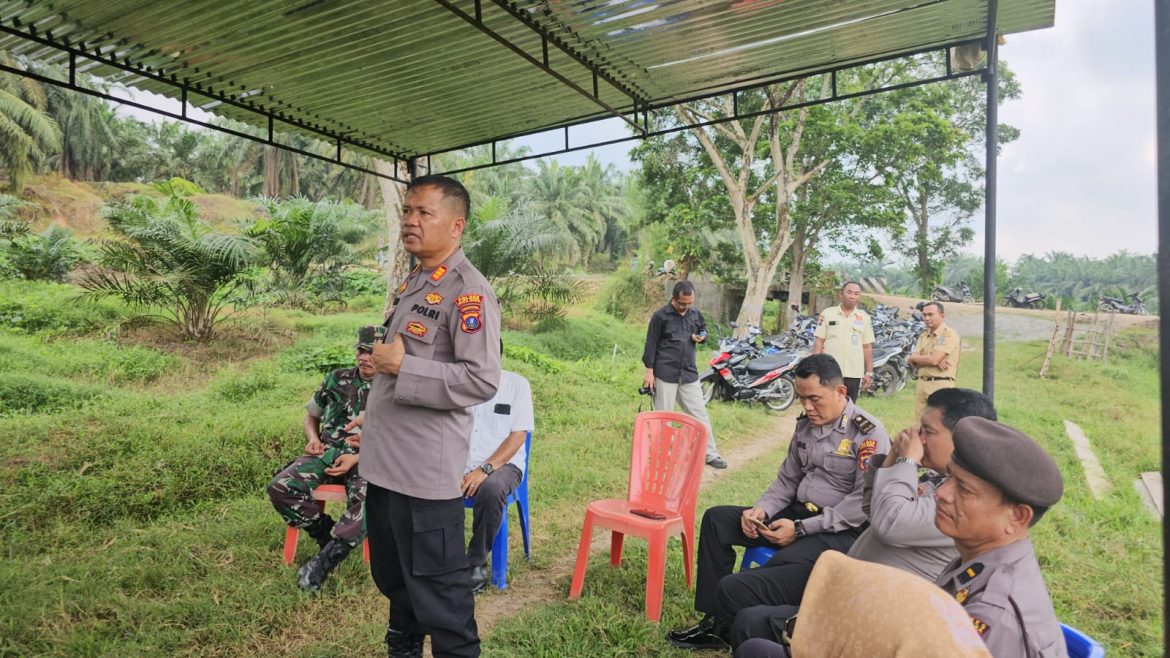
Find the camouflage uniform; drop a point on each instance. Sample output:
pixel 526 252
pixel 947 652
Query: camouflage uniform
pixel 340 399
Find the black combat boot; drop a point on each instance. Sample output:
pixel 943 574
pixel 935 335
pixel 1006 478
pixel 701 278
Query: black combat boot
pixel 403 645
pixel 316 570
pixel 319 530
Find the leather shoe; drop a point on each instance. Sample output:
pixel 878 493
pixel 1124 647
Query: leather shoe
pixel 717 462
pixel 479 579
pixel 707 634
pixel 403 645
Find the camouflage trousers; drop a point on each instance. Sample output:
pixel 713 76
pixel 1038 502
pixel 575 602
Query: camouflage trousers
pixel 291 492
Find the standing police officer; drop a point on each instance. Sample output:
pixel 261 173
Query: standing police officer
pixel 440 356
pixel 936 355
pixel 815 504
pixel 845 333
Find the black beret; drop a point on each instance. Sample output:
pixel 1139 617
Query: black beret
pixel 1008 459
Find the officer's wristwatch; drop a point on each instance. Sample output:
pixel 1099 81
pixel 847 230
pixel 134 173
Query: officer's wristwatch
pixel 906 460
pixel 798 527
pixel 486 468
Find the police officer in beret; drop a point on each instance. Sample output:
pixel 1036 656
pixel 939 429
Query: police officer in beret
pixel 440 357
pixel 1001 482
pixel 815 504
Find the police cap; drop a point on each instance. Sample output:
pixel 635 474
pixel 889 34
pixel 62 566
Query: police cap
pixel 369 335
pixel 1008 459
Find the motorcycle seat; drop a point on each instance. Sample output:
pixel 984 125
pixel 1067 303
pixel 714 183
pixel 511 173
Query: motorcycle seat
pixel 766 364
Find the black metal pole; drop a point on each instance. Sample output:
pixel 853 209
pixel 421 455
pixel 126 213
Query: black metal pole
pixel 1162 60
pixel 991 78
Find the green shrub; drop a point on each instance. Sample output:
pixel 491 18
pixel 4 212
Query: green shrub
pixel 31 307
pixel 628 296
pixel 99 360
pixel 27 393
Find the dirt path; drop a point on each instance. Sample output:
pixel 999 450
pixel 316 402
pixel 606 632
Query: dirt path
pixel 1010 323
pixel 544 585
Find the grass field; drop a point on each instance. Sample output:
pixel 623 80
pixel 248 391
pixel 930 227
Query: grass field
pixel 134 522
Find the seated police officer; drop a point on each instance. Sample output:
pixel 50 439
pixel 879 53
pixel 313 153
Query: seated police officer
pixel 899 501
pixel 815 504
pixel 1001 482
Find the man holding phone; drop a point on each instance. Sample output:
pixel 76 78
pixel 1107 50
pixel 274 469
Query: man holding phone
pixel 814 505
pixel 669 357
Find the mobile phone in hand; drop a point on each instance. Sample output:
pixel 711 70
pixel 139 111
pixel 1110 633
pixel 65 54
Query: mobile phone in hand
pixel 758 523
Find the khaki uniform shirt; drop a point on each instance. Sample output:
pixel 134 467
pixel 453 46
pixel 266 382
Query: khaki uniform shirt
pixel 417 426
pixel 1003 592
pixel 930 343
pixel 899 501
pixel 824 466
pixel 844 334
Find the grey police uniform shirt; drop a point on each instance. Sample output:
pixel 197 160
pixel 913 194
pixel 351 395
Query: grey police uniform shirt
pixel 417 425
pixel 899 502
pixel 1005 595
pixel 824 466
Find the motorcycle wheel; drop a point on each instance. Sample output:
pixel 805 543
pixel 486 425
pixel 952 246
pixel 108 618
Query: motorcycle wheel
pixel 1141 310
pixel 938 296
pixel 968 299
pixel 885 381
pixel 708 386
pixel 1038 304
pixel 1104 308
pixel 781 395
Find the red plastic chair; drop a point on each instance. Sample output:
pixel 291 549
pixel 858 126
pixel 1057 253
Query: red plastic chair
pixel 666 464
pixel 322 494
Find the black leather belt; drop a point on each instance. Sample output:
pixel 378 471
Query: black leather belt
pixel 937 379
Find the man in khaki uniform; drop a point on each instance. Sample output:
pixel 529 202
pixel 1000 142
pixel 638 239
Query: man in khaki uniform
pixel 440 357
pixel 845 333
pixel 936 355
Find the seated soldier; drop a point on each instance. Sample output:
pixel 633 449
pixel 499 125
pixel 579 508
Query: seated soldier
pixel 495 465
pixel 814 505
pixel 329 459
pixel 899 499
pixel 1001 482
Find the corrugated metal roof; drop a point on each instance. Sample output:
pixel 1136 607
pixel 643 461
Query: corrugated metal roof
pixel 413 77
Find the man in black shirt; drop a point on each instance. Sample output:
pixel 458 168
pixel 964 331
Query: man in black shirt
pixel 669 357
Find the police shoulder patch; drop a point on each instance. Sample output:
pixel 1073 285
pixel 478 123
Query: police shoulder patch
pixel 970 572
pixel 470 312
pixel 439 273
pixel 868 449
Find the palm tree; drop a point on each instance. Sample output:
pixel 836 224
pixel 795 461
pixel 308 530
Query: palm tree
pixel 87 127
pixel 27 133
pixel 166 259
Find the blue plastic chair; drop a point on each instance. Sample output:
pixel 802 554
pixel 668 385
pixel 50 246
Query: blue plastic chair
pixel 756 557
pixel 1080 645
pixel 519 497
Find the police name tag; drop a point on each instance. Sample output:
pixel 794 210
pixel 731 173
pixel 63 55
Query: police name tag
pixel 856 339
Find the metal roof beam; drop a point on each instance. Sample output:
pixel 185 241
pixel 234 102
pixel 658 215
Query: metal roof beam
pixel 834 97
pixel 184 89
pixel 544 65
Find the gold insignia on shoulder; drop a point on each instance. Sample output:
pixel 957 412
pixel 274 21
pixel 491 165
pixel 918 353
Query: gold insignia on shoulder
pixel 863 424
pixel 439 273
pixel 981 626
pixel 403 286
pixel 961 595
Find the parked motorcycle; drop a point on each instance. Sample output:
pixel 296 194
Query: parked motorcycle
pixel 891 368
pixel 1017 298
pixel 1108 304
pixel 741 371
pixel 944 294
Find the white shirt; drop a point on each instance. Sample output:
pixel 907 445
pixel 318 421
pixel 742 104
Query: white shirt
pixel 509 411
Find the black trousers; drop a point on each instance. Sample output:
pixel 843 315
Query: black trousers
pixel 488 511
pixel 418 561
pixel 852 387
pixel 722 593
pixel 761 621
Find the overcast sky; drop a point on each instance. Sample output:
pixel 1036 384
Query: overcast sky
pixel 1081 177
